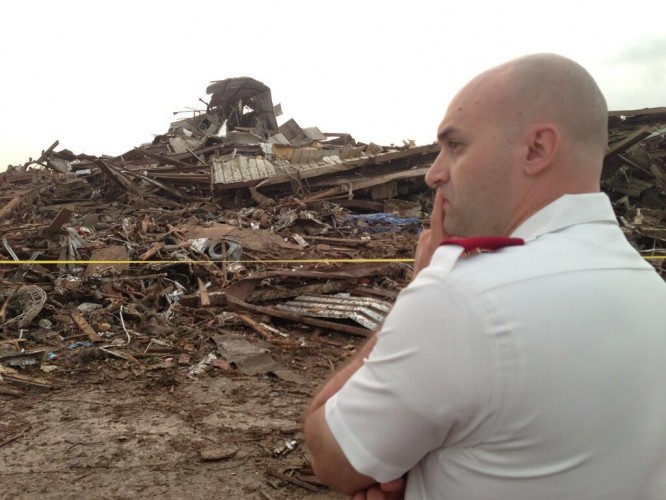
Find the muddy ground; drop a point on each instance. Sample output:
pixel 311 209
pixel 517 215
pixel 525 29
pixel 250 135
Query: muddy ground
pixel 105 432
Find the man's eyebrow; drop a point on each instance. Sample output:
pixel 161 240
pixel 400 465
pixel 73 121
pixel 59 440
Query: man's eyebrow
pixel 441 137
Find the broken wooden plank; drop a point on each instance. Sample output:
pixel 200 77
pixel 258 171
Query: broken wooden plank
pixel 366 183
pixel 62 217
pixel 47 153
pixel 335 272
pixel 154 248
pixel 116 176
pixel 85 327
pixel 3 309
pixel 370 206
pixel 332 286
pixel 19 379
pixel 259 329
pixel 336 281
pixel 169 189
pixel 7 209
pixel 204 299
pixel 134 278
pixel 125 356
pixel 628 141
pixel 162 158
pixel 348 242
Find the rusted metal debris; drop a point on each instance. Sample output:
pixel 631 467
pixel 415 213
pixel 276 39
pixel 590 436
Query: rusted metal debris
pixel 158 258
pixel 366 311
pixel 634 176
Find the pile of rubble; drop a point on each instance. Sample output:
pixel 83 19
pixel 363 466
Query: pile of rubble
pixel 229 223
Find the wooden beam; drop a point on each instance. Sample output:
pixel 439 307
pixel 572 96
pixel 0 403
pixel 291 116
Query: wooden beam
pixel 85 326
pixel 627 142
pixel 366 183
pixel 7 209
pixel 62 217
pixel 203 294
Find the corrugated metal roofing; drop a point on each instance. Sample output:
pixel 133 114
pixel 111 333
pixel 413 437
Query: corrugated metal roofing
pixel 300 162
pixel 242 169
pixel 366 311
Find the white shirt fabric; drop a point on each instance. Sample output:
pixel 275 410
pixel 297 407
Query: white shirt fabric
pixel 532 372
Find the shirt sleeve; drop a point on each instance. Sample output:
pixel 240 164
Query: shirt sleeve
pixel 427 383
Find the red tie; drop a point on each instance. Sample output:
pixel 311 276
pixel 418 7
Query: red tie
pixel 484 242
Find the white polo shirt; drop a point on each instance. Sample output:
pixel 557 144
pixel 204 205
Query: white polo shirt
pixel 532 372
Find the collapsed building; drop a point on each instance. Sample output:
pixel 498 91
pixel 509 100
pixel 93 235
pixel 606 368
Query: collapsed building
pixel 235 152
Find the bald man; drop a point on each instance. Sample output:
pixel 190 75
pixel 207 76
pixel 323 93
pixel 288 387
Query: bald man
pixel 527 358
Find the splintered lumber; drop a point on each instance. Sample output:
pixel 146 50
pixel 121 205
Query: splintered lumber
pixel 3 309
pixel 332 286
pixel 7 209
pixel 85 326
pixel 628 141
pixel 19 379
pixel 348 242
pixel 46 154
pixel 116 176
pixel 154 248
pixel 62 217
pixel 258 328
pixel 203 294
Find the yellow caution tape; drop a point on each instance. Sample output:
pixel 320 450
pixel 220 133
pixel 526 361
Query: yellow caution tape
pixel 277 261
pixel 116 262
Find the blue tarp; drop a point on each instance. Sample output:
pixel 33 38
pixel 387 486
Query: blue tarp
pixel 383 222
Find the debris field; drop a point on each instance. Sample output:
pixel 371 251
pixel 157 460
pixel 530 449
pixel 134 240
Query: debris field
pixel 168 313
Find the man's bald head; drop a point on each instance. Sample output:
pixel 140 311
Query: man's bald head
pixel 551 88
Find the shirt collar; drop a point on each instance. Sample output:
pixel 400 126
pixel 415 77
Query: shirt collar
pixel 567 210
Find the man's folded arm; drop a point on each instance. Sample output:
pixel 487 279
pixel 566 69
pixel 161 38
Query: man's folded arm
pixel 328 461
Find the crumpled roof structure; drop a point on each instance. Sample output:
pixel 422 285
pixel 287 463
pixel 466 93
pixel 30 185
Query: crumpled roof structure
pixel 243 102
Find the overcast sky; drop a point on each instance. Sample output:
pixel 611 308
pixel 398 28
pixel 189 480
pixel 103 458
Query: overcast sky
pixel 103 77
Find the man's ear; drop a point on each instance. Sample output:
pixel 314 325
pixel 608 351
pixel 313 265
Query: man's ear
pixel 544 142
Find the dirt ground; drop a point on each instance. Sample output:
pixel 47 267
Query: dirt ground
pixel 105 432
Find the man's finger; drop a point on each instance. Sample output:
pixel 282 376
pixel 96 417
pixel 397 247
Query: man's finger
pixel 437 217
pixel 395 485
pixel 423 251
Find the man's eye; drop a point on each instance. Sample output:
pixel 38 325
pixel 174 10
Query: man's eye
pixel 453 145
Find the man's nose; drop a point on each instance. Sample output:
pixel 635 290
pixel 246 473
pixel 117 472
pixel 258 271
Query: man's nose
pixel 438 171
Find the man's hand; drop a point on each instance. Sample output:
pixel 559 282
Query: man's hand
pixel 393 490
pixel 431 238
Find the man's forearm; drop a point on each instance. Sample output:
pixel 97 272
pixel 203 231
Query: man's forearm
pixel 327 459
